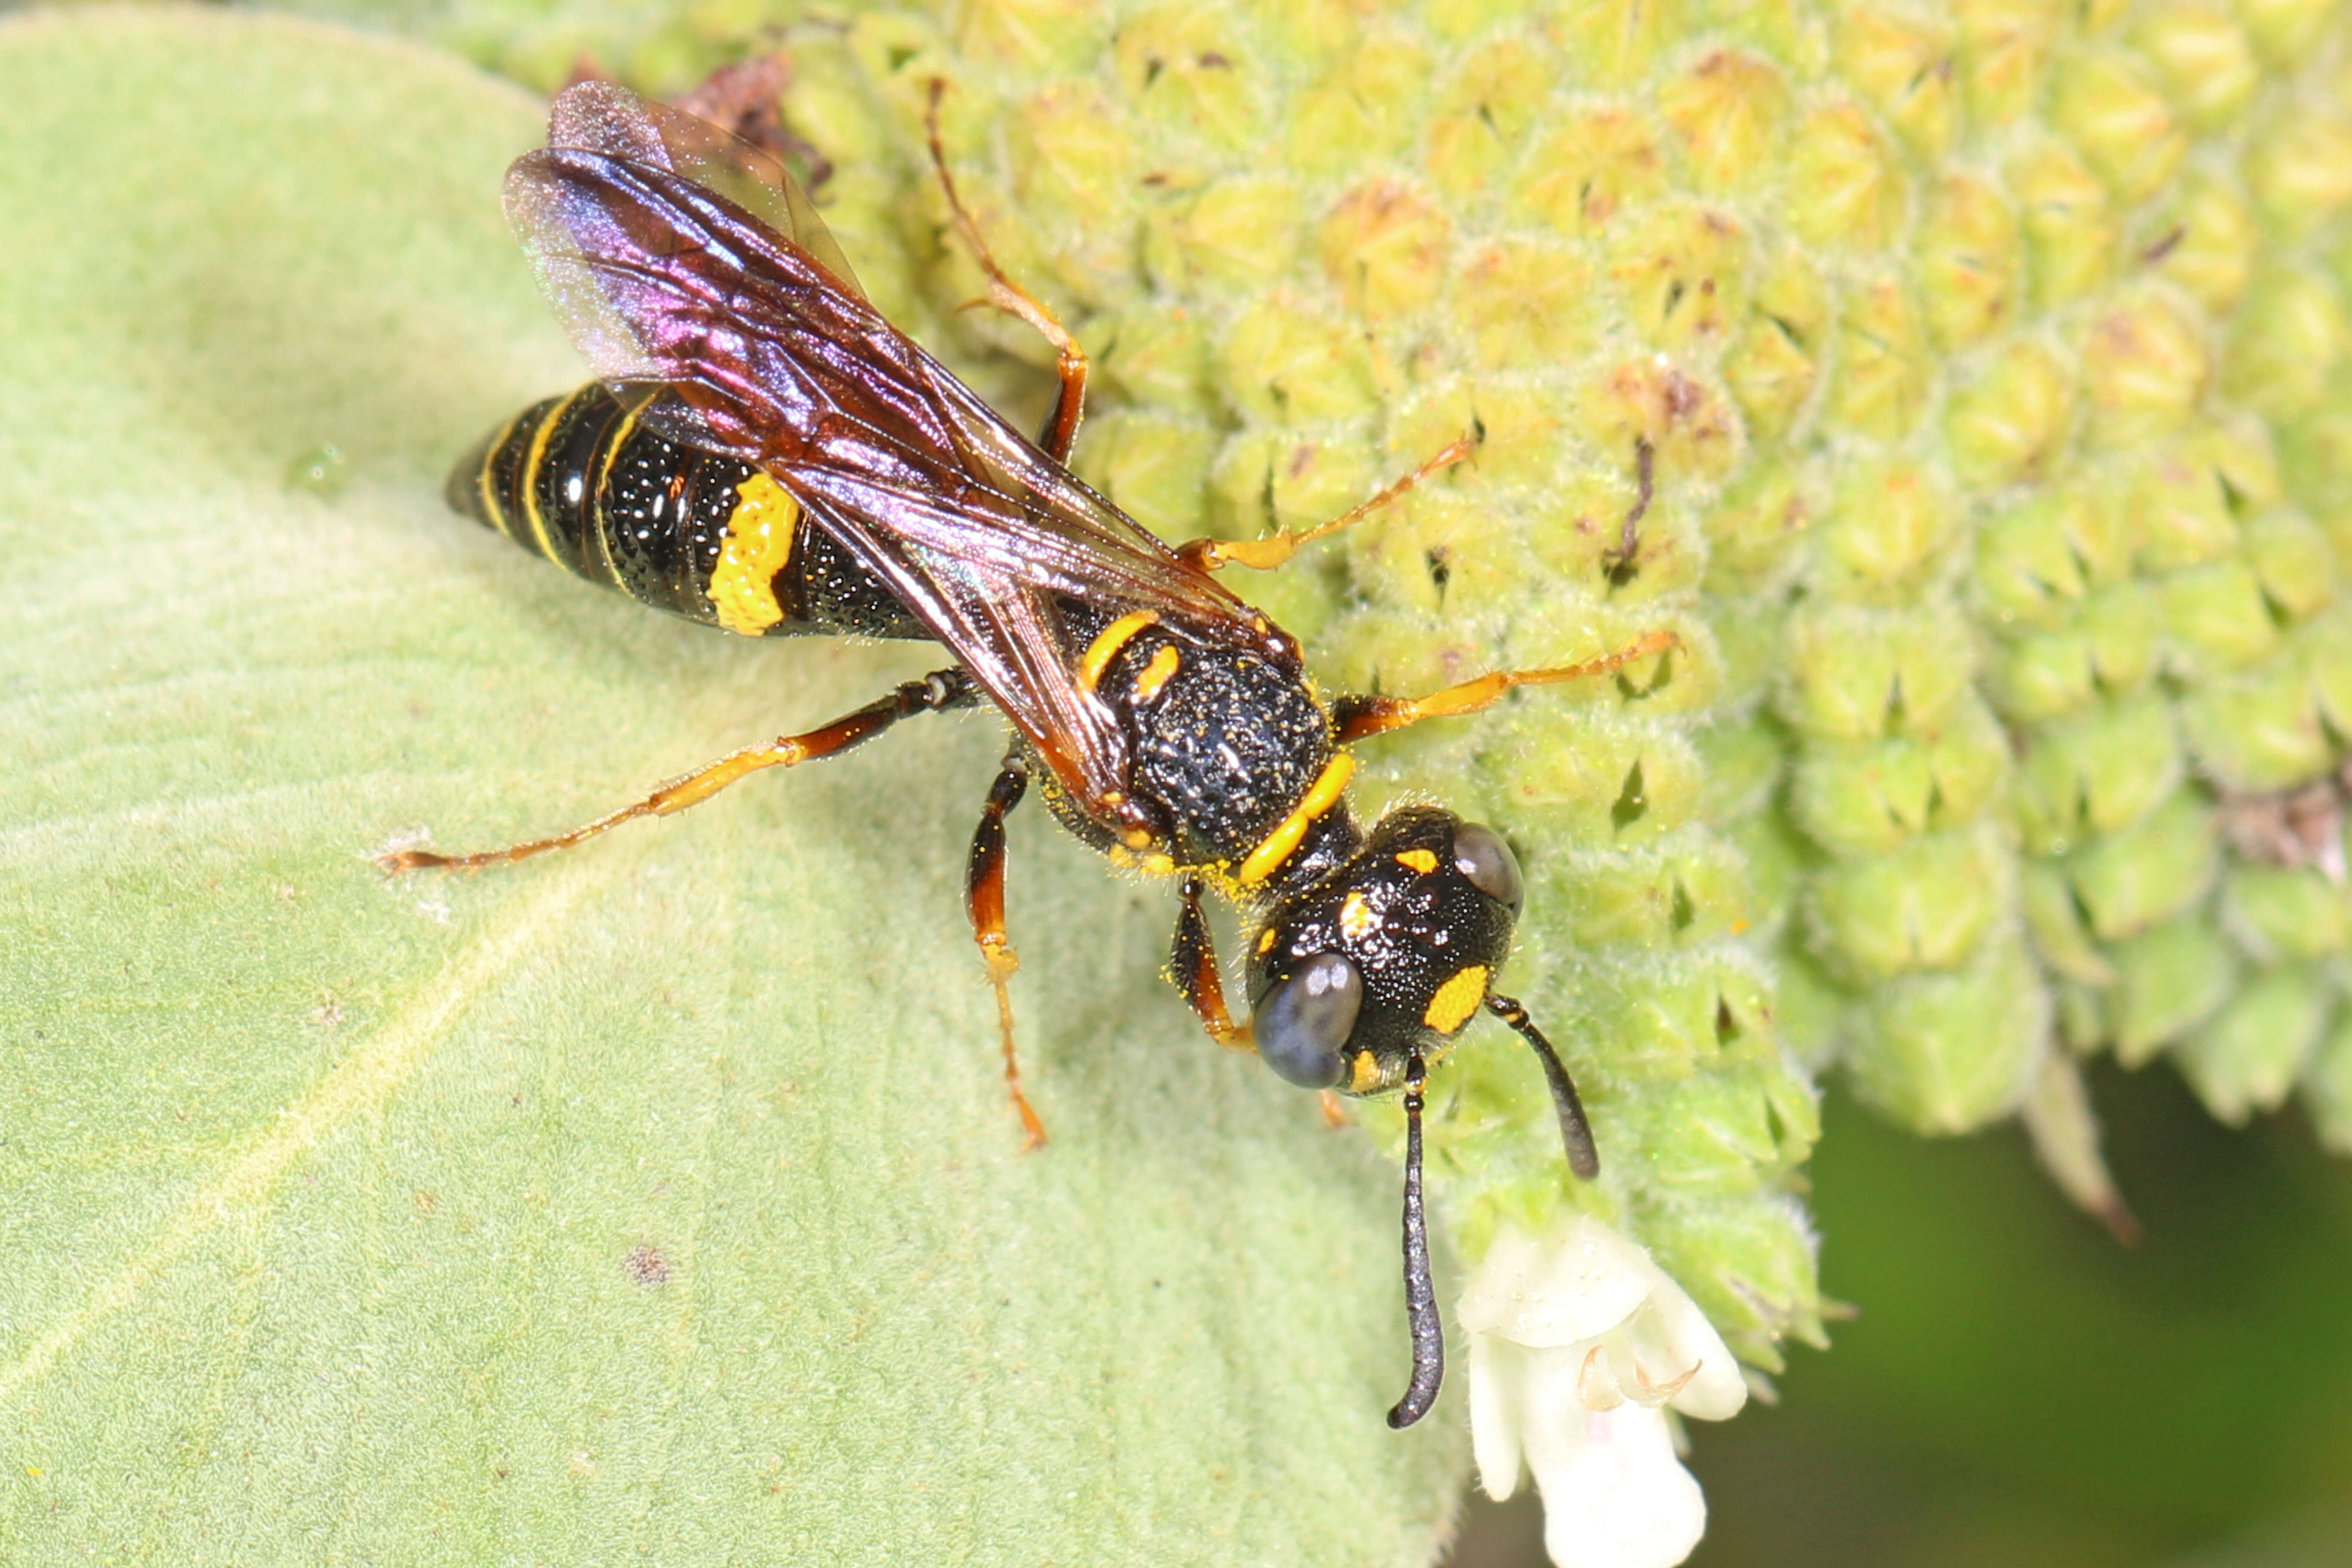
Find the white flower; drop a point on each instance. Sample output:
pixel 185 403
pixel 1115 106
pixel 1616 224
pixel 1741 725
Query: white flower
pixel 1578 1343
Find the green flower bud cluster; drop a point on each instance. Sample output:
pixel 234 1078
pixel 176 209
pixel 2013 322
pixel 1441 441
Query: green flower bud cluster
pixel 1977 381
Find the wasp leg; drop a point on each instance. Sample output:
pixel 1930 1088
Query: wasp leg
pixel 1265 554
pixel 1192 965
pixel 1357 717
pixel 1061 429
pixel 983 900
pixel 934 693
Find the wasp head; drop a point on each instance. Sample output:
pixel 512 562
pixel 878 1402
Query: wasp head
pixel 1383 961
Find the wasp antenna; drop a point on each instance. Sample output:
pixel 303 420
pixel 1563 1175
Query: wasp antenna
pixel 1575 1131
pixel 1420 1294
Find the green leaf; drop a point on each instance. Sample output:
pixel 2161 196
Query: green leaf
pixel 660 1198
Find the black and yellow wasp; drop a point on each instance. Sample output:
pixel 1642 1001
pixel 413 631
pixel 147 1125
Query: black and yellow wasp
pixel 763 453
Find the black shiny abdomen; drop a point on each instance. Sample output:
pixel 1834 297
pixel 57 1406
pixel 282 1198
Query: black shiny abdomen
pixel 582 481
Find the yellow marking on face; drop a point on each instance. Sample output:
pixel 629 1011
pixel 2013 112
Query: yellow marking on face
pixel 1105 648
pixel 1365 1076
pixel 1265 940
pixel 759 544
pixel 1456 1000
pixel 1160 865
pixel 1355 917
pixel 1158 673
pixel 1421 860
pixel 527 477
pixel 1268 857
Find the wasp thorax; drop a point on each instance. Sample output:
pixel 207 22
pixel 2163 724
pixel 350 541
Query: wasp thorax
pixel 1389 957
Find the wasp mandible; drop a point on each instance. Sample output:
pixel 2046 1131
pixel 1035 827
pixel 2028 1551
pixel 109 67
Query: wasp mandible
pixel 763 453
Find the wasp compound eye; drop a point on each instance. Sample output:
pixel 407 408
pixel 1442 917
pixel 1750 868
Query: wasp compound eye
pixel 1487 864
pixel 1303 1025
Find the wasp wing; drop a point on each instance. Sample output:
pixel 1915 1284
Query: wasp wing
pixel 605 117
pixel 762 354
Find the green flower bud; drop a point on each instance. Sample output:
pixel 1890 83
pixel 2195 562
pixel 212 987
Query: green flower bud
pixel 2204 58
pixel 2283 30
pixel 1749 1264
pixel 1883 363
pixel 1902 63
pixel 1846 188
pixel 2143 366
pixel 2097 773
pixel 1154 468
pixel 1922 906
pixel 1947 1053
pixel 2205 240
pixel 2007 424
pixel 1863 797
pixel 1726 112
pixel 2133 879
pixel 2218 614
pixel 2292 560
pixel 2170 979
pixel 2004 48
pixel 1527 304
pixel 2300 167
pixel 2277 912
pixel 2070 228
pixel 2287 341
pixel 1754 527
pixel 2261 731
pixel 2102 100
pixel 1855 672
pixel 1591 163
pixel 2182 507
pixel 1364 108
pixel 2055 920
pixel 2247 1058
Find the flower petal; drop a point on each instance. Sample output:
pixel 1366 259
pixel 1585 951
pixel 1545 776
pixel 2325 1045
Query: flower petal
pixel 1499 1382
pixel 1558 1290
pixel 1614 1494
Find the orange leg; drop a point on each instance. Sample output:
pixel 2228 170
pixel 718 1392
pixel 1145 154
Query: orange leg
pixel 933 693
pixel 1357 717
pixel 983 900
pixel 1265 554
pixel 1192 965
pixel 1070 403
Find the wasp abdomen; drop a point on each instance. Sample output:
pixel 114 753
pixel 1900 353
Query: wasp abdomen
pixel 583 481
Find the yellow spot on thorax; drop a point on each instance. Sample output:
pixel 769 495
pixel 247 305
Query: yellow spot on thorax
pixel 1421 860
pixel 1365 1075
pixel 1329 785
pixel 1355 917
pixel 1456 1000
pixel 759 544
pixel 1104 648
pixel 1158 673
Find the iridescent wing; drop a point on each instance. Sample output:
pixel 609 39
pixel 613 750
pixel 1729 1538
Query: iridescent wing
pixel 763 352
